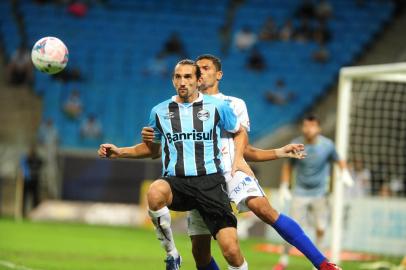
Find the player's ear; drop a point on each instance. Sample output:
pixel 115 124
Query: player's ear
pixel 199 81
pixel 219 75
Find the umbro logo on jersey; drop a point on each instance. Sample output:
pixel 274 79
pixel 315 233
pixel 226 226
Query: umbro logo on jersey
pixel 203 115
pixel 169 115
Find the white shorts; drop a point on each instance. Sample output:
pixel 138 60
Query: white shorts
pixel 310 210
pixel 240 187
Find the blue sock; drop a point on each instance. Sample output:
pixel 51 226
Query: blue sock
pixel 211 266
pixel 294 235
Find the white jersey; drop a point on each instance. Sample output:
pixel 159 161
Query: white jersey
pixel 227 138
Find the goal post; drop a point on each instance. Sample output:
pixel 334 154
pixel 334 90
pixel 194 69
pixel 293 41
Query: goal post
pixel 370 100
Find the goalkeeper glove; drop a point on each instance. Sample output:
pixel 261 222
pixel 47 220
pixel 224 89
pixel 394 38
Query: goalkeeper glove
pixel 284 193
pixel 346 178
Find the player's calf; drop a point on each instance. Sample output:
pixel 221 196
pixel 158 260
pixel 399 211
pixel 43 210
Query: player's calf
pixel 201 250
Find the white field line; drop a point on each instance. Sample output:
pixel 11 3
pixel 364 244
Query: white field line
pixel 11 265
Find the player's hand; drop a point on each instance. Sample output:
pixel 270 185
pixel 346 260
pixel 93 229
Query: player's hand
pixel 284 194
pixel 241 165
pixel 346 178
pixel 108 150
pixel 293 150
pixel 147 134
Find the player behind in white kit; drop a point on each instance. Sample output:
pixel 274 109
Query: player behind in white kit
pixel 243 189
pixel 187 129
pixel 311 181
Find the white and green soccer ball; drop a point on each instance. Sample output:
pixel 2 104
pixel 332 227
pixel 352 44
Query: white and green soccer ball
pixel 49 55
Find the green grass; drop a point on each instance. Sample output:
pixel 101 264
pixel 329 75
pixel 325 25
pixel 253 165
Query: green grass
pixel 61 246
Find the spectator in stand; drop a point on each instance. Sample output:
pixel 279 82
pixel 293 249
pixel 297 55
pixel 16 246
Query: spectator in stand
pixel 30 168
pixel 47 133
pixel 48 139
pixel 256 61
pixel 174 46
pixel 362 180
pixel 323 10
pixel 225 38
pixel 286 32
pixel 19 69
pixel 91 128
pixel 304 32
pixel 306 10
pixel 68 75
pixel 269 30
pixel 157 66
pixel 321 33
pixel 77 8
pixel 73 105
pixel 279 95
pixel 322 54
pixel 245 39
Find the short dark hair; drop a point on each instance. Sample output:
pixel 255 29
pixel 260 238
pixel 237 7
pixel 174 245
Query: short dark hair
pixel 312 117
pixel 215 60
pixel 192 63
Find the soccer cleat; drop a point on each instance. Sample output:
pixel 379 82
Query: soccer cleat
pixel 329 266
pixel 279 266
pixel 173 263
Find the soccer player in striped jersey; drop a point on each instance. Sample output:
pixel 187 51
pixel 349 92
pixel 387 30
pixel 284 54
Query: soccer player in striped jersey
pixel 243 189
pixel 187 127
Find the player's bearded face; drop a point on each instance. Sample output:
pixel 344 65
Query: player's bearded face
pixel 185 82
pixel 210 75
pixel 310 129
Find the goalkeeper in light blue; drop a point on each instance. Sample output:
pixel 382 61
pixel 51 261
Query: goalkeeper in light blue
pixel 311 181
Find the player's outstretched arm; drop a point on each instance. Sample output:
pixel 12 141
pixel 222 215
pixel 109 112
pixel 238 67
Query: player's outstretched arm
pixel 292 150
pixel 141 150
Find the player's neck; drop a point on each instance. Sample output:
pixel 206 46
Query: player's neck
pixel 188 99
pixel 211 90
pixel 311 140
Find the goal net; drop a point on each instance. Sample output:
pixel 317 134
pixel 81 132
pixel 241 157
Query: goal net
pixel 371 135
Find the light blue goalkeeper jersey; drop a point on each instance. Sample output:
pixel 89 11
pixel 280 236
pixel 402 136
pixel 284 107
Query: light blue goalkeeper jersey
pixel 312 174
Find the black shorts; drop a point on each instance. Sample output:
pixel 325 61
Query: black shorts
pixel 208 195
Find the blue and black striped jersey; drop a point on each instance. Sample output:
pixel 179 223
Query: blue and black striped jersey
pixel 190 134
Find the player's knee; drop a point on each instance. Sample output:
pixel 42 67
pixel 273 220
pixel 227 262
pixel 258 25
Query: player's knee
pixel 157 195
pixel 232 253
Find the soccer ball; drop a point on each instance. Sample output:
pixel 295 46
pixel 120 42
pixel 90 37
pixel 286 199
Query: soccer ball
pixel 49 55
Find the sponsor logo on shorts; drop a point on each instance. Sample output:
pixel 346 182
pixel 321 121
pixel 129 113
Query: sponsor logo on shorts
pixel 242 185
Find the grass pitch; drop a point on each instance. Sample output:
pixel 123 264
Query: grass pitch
pixel 61 246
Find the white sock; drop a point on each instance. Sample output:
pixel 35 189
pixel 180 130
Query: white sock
pixel 244 266
pixel 162 222
pixel 284 259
